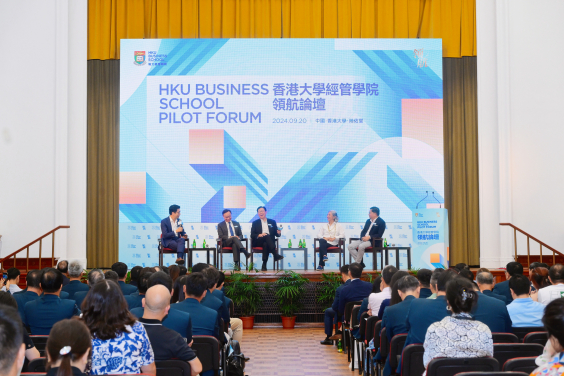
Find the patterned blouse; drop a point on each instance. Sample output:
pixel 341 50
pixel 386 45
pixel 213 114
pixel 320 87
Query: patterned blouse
pixel 549 365
pixel 457 336
pixel 125 354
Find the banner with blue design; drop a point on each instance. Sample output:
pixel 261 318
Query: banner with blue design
pixel 430 239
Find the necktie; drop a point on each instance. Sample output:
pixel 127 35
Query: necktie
pixel 231 229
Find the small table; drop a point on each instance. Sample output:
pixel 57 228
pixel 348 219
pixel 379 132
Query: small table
pixel 207 250
pixel 294 250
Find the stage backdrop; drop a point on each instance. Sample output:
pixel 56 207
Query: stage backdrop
pixel 301 126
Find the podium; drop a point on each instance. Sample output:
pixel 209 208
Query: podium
pixel 430 247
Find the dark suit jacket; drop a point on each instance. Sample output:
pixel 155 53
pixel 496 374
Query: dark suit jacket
pixel 167 233
pixel 493 313
pixel 79 297
pixel 66 280
pixel 395 317
pixel 42 313
pixel 377 230
pixel 75 286
pixel 177 320
pixel 502 288
pixel 22 300
pixel 425 293
pixel 204 320
pixel 354 291
pixel 256 229
pixel 223 231
pixel 126 289
pixel 422 313
pixel 134 301
pixel 62 295
pixel 492 294
pixel 215 303
pixel 335 304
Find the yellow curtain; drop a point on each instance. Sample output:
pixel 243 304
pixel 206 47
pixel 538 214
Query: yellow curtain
pixel 109 21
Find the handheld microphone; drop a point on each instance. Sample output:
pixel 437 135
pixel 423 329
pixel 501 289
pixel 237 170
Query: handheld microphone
pixel 436 199
pixel 417 206
pixel 179 224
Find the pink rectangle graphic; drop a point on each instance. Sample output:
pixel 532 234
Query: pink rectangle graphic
pixel 206 146
pixel 235 197
pixel 422 119
pixel 132 187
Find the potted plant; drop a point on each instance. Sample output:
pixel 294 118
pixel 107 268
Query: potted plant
pixel 243 290
pixel 331 281
pixel 288 291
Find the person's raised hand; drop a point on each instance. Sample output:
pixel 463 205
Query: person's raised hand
pixel 179 229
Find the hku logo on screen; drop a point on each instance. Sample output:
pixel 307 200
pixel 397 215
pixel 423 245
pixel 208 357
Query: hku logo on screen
pixel 139 58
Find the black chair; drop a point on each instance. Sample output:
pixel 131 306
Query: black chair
pixel 526 364
pixel 396 348
pixel 346 326
pixel 372 249
pixel 536 337
pixel 384 350
pixel 37 365
pixel 362 332
pixel 173 368
pixel 412 360
pixel 257 249
pixel 353 325
pixel 522 332
pixel 505 351
pixel 492 374
pixel 207 349
pixel 40 343
pixel 221 250
pixel 373 328
pixel 504 338
pixel 163 250
pixel 453 366
pixel 339 248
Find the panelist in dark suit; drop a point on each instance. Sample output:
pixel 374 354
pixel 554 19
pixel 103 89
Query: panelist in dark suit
pixel 231 235
pixel 356 289
pixel 42 313
pixel 374 227
pixel 32 292
pixel 485 284
pixel 331 317
pixel 264 233
pixel 173 234
pixel 502 288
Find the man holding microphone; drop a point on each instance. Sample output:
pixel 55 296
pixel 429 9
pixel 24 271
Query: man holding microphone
pixel 173 234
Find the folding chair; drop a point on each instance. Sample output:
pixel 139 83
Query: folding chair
pixel 536 337
pixel 412 360
pixel 523 331
pixel 526 364
pixel 353 325
pixel 208 351
pixel 396 348
pixel 504 338
pixel 221 250
pixel 257 249
pixel 339 248
pixel 384 350
pixel 40 343
pixel 453 366
pixel 362 332
pixel 505 351
pixel 346 326
pixel 37 365
pixel 373 327
pixel 372 249
pixel 163 251
pixel 173 368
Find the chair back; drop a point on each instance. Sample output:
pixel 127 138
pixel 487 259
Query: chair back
pixel 207 350
pixel 523 331
pixel 384 344
pixel 376 333
pixel 348 311
pixel 362 325
pixel 504 338
pixel 526 365
pixel 37 365
pixel 354 317
pixel 370 325
pixel 396 347
pixel 40 343
pixel 536 337
pixel 173 368
pixel 505 351
pixel 412 360
pixel 453 366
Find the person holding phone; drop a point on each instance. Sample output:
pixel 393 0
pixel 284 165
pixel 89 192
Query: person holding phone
pixel 173 234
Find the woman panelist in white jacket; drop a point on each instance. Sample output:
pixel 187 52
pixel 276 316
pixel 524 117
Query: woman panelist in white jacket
pixel 329 235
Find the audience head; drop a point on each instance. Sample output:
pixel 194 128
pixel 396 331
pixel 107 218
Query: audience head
pixel 211 275
pixel 63 266
pixel 13 274
pixel 105 310
pixel 157 300
pixel 485 280
pixel 395 299
pixel 556 274
pixel 424 277
pixel 537 264
pixel 183 271
pixel 443 279
pixel 220 280
pixel 95 276
pixel 460 294
pixel 160 278
pixel 196 285
pixel 482 270
pixel 111 275
pixel 121 269
pixel 376 285
pixel 143 283
pixel 519 285
pixel 12 348
pixel 174 272
pixel 355 270
pixel 539 277
pixel 408 285
pixel 75 269
pixel 33 279
pixel 178 290
pixel 460 266
pixel 7 299
pixel 135 273
pixel 435 278
pixel 466 273
pixel 164 269
pixel 149 269
pixel 158 268
pixel 345 272
pixel 513 268
pixel 199 267
pixel 553 321
pixel 51 281
pixel 68 346
pixel 387 274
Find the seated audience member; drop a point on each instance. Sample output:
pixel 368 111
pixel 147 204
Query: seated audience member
pixel 176 320
pixel 12 348
pixel 492 312
pixel 375 300
pixel 485 285
pixel 483 270
pixel 364 306
pixel 523 310
pixel 356 290
pixel 433 282
pixel 458 336
pixel 394 319
pixel 502 288
pixel 12 280
pixel 75 285
pixel 63 267
pixel 551 362
pixel 424 278
pixel 395 298
pixel 166 343
pixel 119 342
pixel 466 273
pixel 556 291
pixel 7 300
pixel 111 276
pixel 212 276
pixel 134 275
pixel 460 266
pixel 121 269
pixel 537 264
pixel 136 300
pixel 174 272
pixel 32 292
pixel 42 313
pixel 94 276
pixel 68 348
pixel 177 294
pixel 183 271
pixel 331 314
pixel 235 324
pixel 539 277
pixel 205 321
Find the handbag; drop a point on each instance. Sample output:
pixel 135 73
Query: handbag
pixel 235 360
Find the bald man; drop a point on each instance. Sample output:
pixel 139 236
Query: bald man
pixel 166 343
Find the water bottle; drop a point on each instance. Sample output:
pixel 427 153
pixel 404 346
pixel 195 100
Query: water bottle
pixel 340 346
pixel 290 243
pixel 204 246
pixel 303 244
pixel 300 245
pixel 194 244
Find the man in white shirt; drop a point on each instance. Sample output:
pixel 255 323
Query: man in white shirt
pixel 13 279
pixel 376 299
pixel 556 291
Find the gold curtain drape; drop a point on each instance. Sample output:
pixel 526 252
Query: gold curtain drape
pixel 109 21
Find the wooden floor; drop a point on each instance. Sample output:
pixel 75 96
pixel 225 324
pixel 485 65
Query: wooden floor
pixel 295 352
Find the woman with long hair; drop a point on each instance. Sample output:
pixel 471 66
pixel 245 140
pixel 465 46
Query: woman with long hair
pixel 395 299
pixel 68 348
pixel 539 277
pixel 174 271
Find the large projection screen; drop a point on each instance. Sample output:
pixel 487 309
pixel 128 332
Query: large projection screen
pixel 301 126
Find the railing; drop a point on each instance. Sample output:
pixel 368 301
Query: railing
pixel 40 240
pixel 529 236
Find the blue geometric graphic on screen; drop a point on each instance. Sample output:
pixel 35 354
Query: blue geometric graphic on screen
pixel 440 264
pixel 157 201
pixel 211 211
pixel 408 185
pixel 139 213
pixel 133 131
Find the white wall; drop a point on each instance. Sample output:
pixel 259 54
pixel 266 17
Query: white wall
pixel 43 124
pixel 520 108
